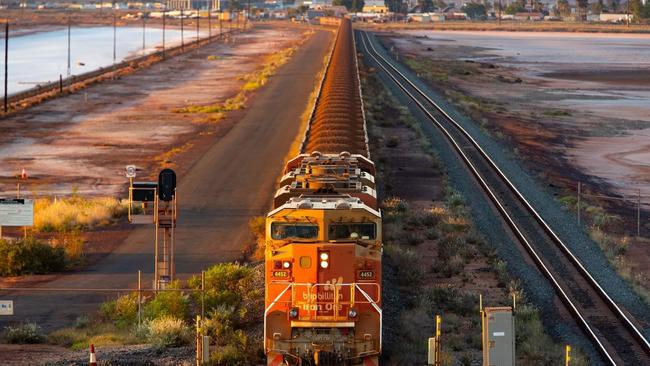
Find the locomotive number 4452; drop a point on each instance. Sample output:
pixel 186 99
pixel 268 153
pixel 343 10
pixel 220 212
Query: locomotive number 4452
pixel 366 274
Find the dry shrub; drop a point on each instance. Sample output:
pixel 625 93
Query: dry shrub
pixel 65 214
pixel 24 333
pixel 257 226
pixel 168 331
pixel 72 243
pixel 395 204
pixel 412 238
pixel 122 312
pixel 30 256
pixel 406 262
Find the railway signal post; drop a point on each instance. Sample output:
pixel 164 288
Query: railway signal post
pixel 162 195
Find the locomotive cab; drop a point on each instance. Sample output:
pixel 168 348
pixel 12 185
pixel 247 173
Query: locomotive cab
pixel 323 276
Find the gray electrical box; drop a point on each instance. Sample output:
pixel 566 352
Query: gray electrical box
pixel 498 336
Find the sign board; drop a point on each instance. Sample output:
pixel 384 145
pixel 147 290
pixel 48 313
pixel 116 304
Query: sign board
pixel 16 212
pixel 130 171
pixel 6 307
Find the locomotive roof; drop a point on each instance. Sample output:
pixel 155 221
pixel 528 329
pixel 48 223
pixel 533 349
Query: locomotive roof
pixel 325 202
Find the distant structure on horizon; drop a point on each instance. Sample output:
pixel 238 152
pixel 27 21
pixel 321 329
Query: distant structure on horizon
pixel 192 4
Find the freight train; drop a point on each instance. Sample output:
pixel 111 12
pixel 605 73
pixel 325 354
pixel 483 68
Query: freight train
pixel 323 237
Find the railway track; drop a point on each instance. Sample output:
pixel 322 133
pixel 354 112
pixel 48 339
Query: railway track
pixel 612 330
pixel 337 122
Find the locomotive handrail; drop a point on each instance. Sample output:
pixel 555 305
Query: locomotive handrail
pixel 312 302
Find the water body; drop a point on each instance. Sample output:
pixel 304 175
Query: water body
pixel 41 57
pixel 558 48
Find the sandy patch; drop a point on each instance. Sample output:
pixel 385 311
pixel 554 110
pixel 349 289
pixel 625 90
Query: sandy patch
pixel 624 159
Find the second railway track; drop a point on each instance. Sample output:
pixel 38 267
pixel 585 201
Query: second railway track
pixel 612 330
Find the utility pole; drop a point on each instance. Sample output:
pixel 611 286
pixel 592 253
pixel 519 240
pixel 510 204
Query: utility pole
pixel 209 21
pixel 248 14
pixel 198 17
pixel 182 38
pixel 163 35
pixel 628 13
pixel 499 12
pixel 143 31
pixel 69 70
pixel 6 99
pixel 114 33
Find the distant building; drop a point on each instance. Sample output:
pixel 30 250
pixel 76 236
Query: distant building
pixel 529 16
pixel 375 6
pixel 193 4
pixel 609 17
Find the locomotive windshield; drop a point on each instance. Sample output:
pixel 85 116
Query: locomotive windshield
pixel 290 230
pixel 352 231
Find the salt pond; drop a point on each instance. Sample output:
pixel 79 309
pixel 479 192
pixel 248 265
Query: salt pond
pixel 41 57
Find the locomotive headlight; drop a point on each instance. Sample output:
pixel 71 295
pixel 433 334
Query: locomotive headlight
pixel 352 313
pixel 286 264
pixel 293 313
pixel 324 259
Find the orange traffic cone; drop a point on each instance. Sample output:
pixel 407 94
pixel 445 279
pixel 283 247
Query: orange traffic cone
pixel 93 360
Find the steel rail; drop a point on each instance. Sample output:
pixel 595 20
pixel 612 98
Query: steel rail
pixel 609 302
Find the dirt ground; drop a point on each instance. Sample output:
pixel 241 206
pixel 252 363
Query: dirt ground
pixel 82 142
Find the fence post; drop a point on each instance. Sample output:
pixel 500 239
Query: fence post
pixel 202 294
pixel 579 193
pixel 438 334
pixel 139 297
pixel 199 343
pixel 638 215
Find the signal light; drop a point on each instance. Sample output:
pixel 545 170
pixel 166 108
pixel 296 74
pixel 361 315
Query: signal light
pixel 286 264
pixel 324 256
pixel 324 264
pixel 293 313
pixel 277 264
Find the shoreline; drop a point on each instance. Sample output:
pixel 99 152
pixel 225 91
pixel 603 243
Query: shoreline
pixel 536 27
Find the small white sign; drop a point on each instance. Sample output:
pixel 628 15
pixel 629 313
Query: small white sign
pixel 16 212
pixel 499 334
pixel 6 307
pixel 130 171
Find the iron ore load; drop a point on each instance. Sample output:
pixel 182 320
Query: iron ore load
pixel 323 237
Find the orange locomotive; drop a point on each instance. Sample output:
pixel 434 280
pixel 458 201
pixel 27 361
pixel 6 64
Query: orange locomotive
pixel 323 264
